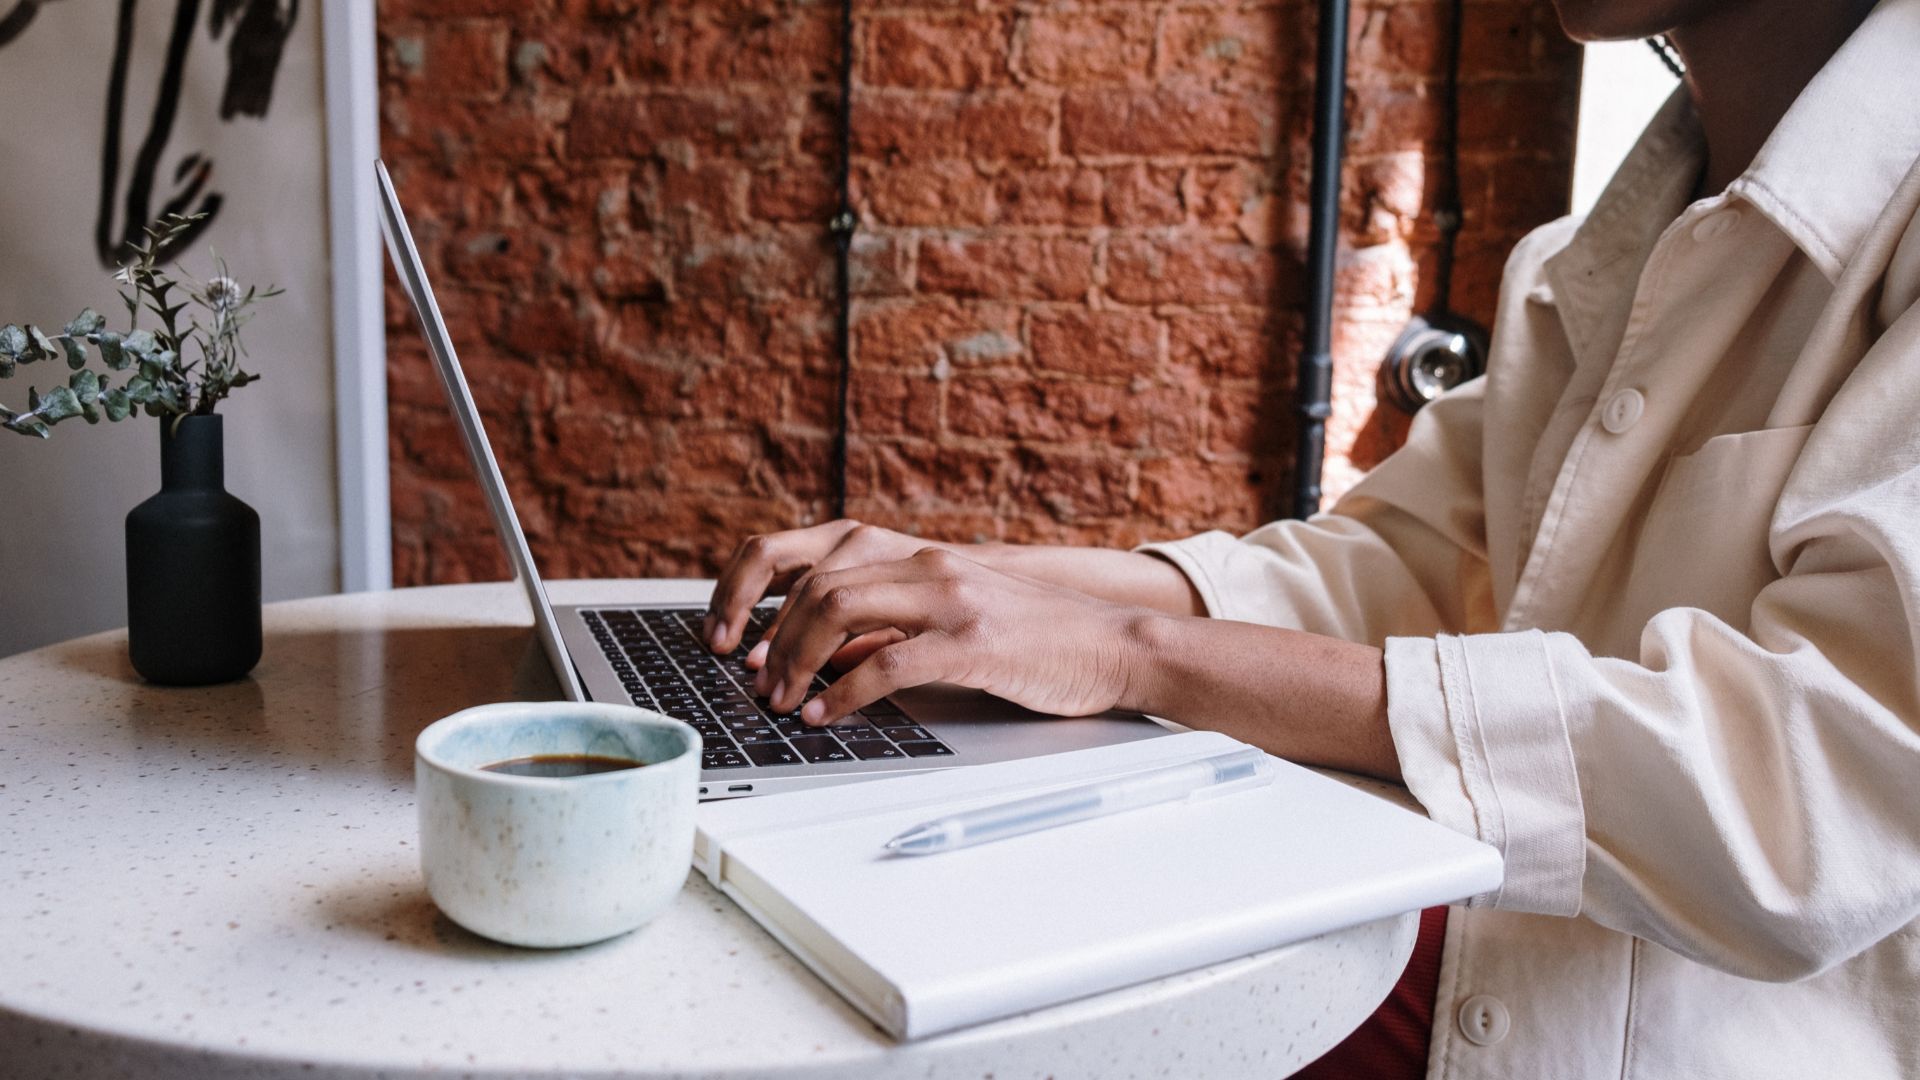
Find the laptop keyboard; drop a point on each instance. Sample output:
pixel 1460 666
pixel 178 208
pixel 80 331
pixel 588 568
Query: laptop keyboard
pixel 658 654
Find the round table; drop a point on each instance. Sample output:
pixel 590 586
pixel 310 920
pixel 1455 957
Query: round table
pixel 222 882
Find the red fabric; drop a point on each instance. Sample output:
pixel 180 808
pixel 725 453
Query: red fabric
pixel 1392 1044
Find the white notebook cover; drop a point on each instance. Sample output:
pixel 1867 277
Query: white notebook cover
pixel 925 944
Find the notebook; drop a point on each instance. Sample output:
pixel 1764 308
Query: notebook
pixel 926 944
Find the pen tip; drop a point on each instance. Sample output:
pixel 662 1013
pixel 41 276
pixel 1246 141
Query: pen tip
pixel 893 844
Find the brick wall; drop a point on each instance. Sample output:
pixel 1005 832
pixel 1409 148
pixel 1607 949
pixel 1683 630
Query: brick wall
pixel 1077 276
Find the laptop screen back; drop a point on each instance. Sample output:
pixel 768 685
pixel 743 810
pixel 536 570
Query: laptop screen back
pixel 413 277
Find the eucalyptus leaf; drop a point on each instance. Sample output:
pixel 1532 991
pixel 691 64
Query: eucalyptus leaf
pixel 111 353
pixel 40 349
pixel 91 414
pixel 60 404
pixel 117 403
pixel 33 427
pixel 139 343
pixel 6 365
pixel 76 350
pixel 13 341
pixel 87 322
pixel 139 390
pixel 85 386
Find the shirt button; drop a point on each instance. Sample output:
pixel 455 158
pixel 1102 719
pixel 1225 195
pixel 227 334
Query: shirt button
pixel 1623 411
pixel 1484 1020
pixel 1716 225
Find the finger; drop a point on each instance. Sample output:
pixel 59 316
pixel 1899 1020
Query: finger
pixel 912 662
pixel 862 647
pixel 830 614
pixel 858 546
pixel 829 610
pixel 770 561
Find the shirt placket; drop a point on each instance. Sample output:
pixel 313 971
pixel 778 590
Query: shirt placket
pixel 1628 428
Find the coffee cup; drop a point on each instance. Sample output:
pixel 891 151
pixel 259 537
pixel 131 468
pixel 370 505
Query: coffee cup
pixel 555 861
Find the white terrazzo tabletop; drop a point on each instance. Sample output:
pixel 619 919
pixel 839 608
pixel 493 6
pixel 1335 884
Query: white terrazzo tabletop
pixel 222 882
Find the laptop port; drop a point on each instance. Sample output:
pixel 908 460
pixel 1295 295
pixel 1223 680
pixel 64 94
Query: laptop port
pixel 741 788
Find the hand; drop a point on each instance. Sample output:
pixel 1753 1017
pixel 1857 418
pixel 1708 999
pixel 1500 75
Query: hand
pixel 786 562
pixel 1049 648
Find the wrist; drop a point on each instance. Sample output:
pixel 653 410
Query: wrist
pixel 1148 639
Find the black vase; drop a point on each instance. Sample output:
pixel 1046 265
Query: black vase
pixel 193 566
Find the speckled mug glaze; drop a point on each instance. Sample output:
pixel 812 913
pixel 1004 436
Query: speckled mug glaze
pixel 550 863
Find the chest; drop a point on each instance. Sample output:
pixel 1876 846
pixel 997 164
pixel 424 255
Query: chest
pixel 1644 417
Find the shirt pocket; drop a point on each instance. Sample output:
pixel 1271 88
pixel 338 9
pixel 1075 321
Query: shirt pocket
pixel 1705 540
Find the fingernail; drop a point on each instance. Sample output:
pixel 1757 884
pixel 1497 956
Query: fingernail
pixel 779 688
pixel 757 656
pixel 760 682
pixel 814 712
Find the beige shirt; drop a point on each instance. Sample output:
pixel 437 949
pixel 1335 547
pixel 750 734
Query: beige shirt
pixel 1650 599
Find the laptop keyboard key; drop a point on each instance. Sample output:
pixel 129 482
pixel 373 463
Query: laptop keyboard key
pixel 749 736
pixel 773 753
pixel 909 734
pixel 883 707
pixel 722 759
pixel 926 749
pixel 870 749
pixel 819 748
pixel 709 729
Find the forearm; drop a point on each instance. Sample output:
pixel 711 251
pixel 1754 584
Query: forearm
pixel 1121 577
pixel 1312 699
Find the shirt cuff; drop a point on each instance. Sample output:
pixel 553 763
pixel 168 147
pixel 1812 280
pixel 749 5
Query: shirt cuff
pixel 1483 744
pixel 1192 556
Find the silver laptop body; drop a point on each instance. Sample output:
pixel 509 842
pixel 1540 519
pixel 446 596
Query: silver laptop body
pixel 595 649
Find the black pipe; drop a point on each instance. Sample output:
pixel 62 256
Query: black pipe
pixel 1313 385
pixel 842 227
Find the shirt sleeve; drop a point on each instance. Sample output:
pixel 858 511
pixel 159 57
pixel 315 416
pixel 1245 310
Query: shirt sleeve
pixel 1748 797
pixel 1402 553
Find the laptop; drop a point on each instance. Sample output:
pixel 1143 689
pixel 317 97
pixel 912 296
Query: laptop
pixel 651 655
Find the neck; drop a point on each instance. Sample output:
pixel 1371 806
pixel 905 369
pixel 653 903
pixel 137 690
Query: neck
pixel 1747 62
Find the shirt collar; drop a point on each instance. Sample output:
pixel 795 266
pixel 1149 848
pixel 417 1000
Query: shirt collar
pixel 1834 160
pixel 1594 275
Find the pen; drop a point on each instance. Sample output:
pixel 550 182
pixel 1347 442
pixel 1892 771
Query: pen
pixel 1217 775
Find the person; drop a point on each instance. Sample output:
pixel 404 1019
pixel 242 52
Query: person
pixel 1640 607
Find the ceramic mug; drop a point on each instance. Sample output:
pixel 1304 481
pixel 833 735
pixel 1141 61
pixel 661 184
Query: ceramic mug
pixel 552 862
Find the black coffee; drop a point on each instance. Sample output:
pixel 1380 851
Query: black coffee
pixel 561 765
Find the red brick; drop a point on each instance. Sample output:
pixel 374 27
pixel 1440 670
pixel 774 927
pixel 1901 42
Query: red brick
pixel 1164 122
pixel 803 194
pixel 1071 486
pixel 887 403
pixel 453 59
pixel 1255 47
pixel 1179 269
pixel 1397 43
pixel 1238 343
pixel 962 53
pixel 941 193
pixel 1047 197
pixel 752 126
pixel 1039 268
pixel 915 126
pixel 923 332
pixel 1081 48
pixel 1082 342
pixel 1137 195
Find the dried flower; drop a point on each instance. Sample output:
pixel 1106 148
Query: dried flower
pixel 224 294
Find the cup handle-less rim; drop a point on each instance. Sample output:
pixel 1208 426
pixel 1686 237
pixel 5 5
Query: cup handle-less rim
pixel 425 745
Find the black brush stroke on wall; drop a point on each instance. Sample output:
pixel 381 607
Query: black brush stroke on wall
pixel 260 30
